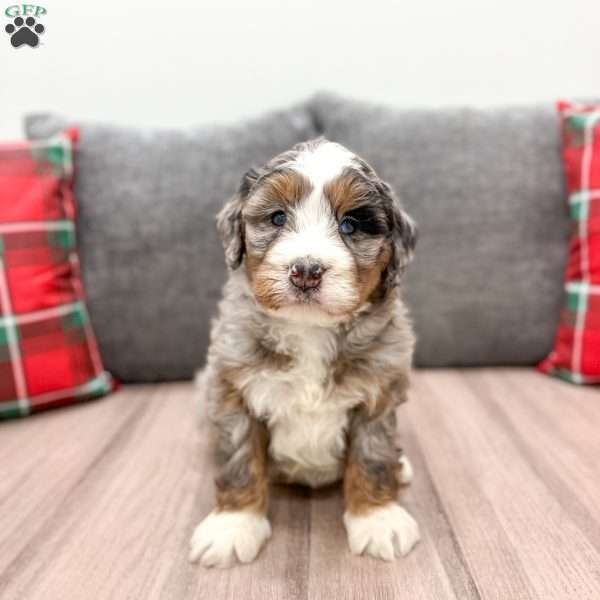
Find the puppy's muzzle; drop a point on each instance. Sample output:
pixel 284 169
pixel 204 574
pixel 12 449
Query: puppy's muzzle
pixel 306 274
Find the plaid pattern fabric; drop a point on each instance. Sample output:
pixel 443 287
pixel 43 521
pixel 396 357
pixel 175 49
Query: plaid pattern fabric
pixel 48 352
pixel 576 354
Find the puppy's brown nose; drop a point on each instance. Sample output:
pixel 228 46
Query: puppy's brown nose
pixel 306 274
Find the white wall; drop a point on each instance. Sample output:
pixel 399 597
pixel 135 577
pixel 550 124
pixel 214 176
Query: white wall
pixel 189 62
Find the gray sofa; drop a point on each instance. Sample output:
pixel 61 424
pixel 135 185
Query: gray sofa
pixel 485 187
pixel 99 500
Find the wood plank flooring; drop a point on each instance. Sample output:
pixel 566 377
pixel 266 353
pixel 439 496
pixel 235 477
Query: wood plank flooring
pixel 98 501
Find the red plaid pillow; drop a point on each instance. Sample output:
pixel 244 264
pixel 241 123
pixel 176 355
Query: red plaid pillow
pixel 576 354
pixel 48 352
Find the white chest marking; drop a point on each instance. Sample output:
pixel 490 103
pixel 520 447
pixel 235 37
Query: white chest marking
pixel 306 418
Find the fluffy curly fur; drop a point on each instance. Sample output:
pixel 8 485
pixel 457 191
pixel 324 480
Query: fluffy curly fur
pixel 311 351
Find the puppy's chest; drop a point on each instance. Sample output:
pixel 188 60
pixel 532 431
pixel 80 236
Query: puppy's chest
pixel 306 413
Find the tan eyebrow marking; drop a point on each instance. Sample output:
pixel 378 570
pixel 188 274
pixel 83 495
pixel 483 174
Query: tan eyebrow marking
pixel 285 185
pixel 276 190
pixel 346 191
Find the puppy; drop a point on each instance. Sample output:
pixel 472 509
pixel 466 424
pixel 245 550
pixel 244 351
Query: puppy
pixel 311 351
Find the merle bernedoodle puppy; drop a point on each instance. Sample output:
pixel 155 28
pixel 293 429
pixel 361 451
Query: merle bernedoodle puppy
pixel 311 352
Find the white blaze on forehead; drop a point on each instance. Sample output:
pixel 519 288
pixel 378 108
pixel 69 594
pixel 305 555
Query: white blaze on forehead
pixel 323 163
pixel 315 228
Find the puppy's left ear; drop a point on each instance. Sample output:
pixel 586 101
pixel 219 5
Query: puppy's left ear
pixel 404 234
pixel 230 224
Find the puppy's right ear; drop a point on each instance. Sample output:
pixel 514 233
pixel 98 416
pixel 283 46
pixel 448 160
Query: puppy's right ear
pixel 229 221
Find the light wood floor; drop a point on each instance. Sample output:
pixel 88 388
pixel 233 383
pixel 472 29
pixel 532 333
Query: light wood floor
pixel 98 501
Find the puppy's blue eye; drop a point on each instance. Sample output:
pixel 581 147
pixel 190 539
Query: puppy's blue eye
pixel 278 218
pixel 347 226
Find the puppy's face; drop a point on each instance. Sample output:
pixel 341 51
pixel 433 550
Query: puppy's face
pixel 320 233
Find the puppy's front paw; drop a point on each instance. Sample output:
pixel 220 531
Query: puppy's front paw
pixel 226 536
pixel 387 532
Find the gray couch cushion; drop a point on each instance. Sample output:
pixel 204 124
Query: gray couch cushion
pixel 486 188
pixel 152 261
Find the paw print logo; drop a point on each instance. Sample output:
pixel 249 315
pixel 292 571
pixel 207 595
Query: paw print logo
pixel 24 31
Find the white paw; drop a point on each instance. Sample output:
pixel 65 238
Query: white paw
pixel 406 471
pixel 386 533
pixel 226 536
